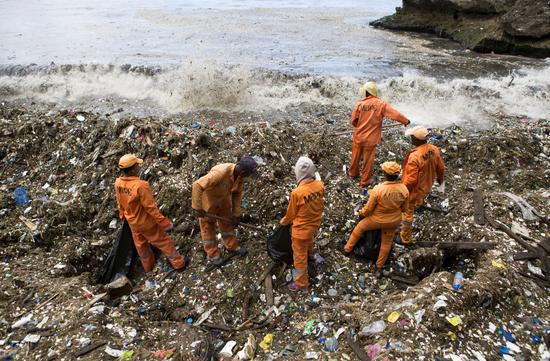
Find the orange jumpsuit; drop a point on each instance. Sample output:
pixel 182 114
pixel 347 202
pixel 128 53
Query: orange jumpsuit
pixel 218 193
pixel 382 211
pixel 304 212
pixel 137 205
pixel 421 167
pixel 367 117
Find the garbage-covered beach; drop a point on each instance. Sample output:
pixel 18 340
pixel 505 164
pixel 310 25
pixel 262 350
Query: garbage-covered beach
pixel 59 220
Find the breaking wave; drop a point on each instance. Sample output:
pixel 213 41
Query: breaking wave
pixel 207 85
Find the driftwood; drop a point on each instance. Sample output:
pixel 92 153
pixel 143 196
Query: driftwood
pixel 457 245
pixel 87 349
pixel 209 215
pixel 216 326
pixel 38 306
pixel 269 290
pixel 479 212
pixel 541 254
pixel 411 281
pixel 357 349
pixel 521 256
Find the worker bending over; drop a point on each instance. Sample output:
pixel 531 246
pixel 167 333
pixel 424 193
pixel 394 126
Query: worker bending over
pixel 423 164
pixel 383 211
pixel 367 117
pixel 304 212
pixel 219 193
pixel 137 205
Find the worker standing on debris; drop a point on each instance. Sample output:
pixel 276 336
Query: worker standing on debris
pixel 304 213
pixel 366 118
pixel 383 211
pixel 423 164
pixel 219 193
pixel 137 205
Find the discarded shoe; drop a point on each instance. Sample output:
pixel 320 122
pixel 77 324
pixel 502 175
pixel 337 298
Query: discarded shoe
pixel 187 261
pixel 241 251
pixel 294 287
pixel 215 262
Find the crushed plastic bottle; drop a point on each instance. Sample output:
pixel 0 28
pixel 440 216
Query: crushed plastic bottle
pixel 399 346
pixel 308 328
pixel 21 196
pixel 361 280
pixel 374 328
pixel 331 344
pixel 458 281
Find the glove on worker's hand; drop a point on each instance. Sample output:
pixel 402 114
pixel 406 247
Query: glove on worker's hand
pixel 169 228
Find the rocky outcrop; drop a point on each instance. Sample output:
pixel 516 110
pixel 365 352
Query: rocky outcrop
pixel 519 27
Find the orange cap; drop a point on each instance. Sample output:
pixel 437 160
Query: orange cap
pixel 129 160
pixel 391 168
pixel 419 132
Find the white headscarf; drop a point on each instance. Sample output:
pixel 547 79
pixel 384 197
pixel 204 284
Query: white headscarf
pixel 304 169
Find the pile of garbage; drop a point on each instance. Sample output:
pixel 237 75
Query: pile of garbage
pixel 488 232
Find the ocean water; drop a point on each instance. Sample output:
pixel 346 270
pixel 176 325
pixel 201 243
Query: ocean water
pixel 173 56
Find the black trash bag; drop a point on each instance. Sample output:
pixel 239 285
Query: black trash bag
pixel 368 245
pixel 121 258
pixel 279 245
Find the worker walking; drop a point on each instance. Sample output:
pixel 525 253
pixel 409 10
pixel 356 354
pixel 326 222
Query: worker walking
pixel 423 164
pixel 219 193
pixel 137 205
pixel 304 212
pixel 383 211
pixel 366 118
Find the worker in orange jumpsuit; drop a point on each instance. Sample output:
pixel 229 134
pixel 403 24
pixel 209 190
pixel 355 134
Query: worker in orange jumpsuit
pixel 304 212
pixel 367 117
pixel 149 227
pixel 383 211
pixel 423 164
pixel 219 193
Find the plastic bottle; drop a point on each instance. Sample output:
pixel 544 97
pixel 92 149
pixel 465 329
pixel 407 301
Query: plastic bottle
pixel 375 327
pixel 361 280
pixel 331 344
pixel 21 196
pixel 458 281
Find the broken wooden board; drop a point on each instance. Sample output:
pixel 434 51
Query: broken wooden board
pixel 522 256
pixel 479 212
pixel 409 280
pixel 457 245
pixel 269 298
pixel 87 349
pixel 357 349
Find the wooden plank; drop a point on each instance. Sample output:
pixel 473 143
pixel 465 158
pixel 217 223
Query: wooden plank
pixel 357 349
pixel 457 245
pixel 522 256
pixel 479 213
pixel 269 290
pixel 216 326
pixel 412 281
pixel 87 349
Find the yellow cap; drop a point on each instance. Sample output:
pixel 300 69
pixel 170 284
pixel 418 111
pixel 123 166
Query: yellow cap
pixel 391 168
pixel 129 160
pixel 369 87
pixel 419 132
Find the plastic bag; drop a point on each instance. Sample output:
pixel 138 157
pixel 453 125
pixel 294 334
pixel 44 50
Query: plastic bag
pixel 279 245
pixel 121 257
pixel 368 245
